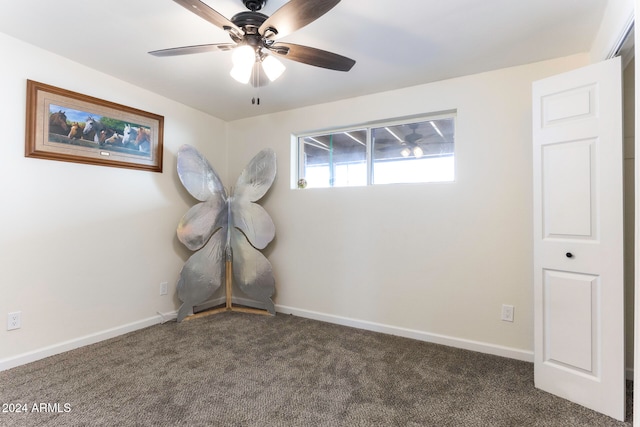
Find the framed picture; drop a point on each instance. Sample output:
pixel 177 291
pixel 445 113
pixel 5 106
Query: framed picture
pixel 71 127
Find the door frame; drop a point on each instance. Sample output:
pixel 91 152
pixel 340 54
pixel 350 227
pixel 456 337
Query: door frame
pixel 635 15
pixel 636 286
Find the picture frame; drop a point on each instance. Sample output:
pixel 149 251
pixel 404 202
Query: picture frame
pixel 72 127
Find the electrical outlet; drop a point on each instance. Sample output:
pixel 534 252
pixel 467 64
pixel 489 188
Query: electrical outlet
pixel 164 288
pixel 14 320
pixel 507 313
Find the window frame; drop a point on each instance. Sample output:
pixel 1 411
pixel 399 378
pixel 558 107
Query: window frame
pixel 297 140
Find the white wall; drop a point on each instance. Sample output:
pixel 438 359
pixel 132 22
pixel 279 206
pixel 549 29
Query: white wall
pixel 433 261
pixel 84 248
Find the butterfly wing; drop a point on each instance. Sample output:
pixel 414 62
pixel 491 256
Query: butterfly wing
pixel 202 274
pixel 251 229
pixel 254 222
pixel 200 222
pixel 203 229
pixel 252 185
pixel 257 177
pixel 197 175
pixel 252 271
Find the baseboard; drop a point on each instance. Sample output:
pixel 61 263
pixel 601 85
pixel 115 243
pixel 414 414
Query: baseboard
pixel 52 350
pixel 478 346
pixel 512 353
pixel 482 347
pixel 32 356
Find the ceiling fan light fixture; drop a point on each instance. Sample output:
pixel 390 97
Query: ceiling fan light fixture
pixel 243 58
pixel 272 67
pixel 405 152
pixel 241 74
pixel 417 152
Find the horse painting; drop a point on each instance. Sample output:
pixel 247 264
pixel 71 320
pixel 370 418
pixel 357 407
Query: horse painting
pixel 137 138
pixel 58 123
pixel 143 140
pixel 101 131
pixel 129 135
pixel 115 139
pixel 76 131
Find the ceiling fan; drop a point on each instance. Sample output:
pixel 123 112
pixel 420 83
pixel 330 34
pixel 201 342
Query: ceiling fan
pixel 255 36
pixel 410 143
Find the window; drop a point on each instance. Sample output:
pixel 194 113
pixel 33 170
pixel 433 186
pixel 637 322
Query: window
pixel 393 152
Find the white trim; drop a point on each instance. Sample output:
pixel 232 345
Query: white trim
pixel 616 22
pixel 41 353
pixel 625 32
pixel 636 280
pixel 52 350
pixel 482 347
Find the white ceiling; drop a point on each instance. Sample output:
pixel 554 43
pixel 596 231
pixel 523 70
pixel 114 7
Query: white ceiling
pixel 396 43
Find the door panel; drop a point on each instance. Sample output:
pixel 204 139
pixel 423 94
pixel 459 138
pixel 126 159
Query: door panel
pixel 573 104
pixel 578 237
pixel 571 314
pixel 568 201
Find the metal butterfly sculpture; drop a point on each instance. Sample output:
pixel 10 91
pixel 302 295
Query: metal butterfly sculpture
pixel 224 227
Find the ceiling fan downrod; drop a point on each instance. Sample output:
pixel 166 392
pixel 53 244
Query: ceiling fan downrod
pixel 254 5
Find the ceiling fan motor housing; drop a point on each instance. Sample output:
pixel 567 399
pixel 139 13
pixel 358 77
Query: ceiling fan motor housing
pixel 249 19
pixel 249 22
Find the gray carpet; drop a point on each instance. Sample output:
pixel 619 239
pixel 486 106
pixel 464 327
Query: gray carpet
pixel 235 369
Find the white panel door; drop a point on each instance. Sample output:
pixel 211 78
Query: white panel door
pixel 578 237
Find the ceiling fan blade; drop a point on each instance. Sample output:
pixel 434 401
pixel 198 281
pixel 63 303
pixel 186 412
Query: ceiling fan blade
pixel 188 50
pixel 208 14
pixel 294 15
pixel 312 56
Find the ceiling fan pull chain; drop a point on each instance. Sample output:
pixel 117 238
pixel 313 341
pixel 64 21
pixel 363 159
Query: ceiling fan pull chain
pixel 256 100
